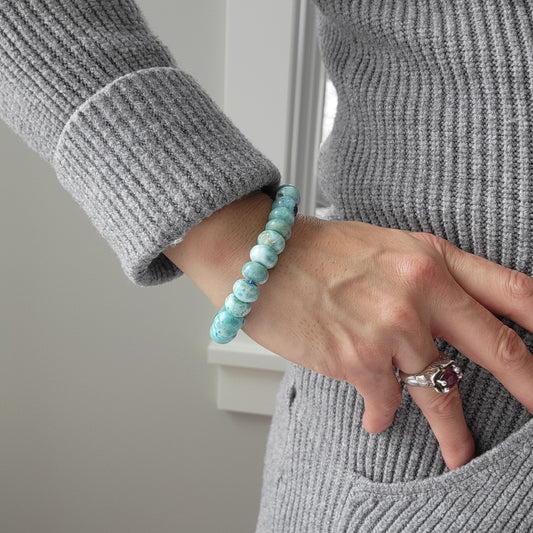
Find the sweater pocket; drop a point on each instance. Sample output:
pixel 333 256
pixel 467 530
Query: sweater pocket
pixel 493 492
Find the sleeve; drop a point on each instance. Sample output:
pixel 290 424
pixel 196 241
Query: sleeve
pixel 135 140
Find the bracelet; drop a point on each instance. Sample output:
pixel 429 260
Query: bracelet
pixel 264 255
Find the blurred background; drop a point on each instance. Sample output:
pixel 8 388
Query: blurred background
pixel 108 417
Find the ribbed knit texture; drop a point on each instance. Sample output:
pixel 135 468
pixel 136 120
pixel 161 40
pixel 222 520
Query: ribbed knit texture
pixel 174 160
pixel 433 133
pixel 434 124
pixel 136 142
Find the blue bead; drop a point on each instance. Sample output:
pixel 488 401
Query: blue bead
pixel 289 190
pixel 245 291
pixel 281 227
pixel 237 307
pixel 286 201
pixel 283 214
pixel 273 239
pixel 226 324
pixel 218 338
pixel 255 272
pixel 265 255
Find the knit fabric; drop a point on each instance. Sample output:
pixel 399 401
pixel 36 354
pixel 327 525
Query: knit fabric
pixel 136 142
pixel 432 133
pixel 324 473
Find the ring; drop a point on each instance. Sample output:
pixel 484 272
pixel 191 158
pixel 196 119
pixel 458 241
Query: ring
pixel 440 375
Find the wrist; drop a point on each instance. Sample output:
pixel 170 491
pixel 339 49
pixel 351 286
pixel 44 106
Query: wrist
pixel 212 253
pixel 263 255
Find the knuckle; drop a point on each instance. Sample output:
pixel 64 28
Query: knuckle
pixel 398 315
pixel 519 285
pixel 420 269
pixel 510 351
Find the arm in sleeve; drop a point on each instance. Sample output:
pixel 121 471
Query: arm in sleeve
pixel 136 141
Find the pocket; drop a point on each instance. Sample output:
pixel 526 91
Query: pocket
pixel 496 461
pixel 491 492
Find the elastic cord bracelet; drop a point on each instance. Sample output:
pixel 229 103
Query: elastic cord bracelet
pixel 264 255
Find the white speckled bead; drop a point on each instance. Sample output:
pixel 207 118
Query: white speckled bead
pixel 245 291
pixel 286 201
pixel 281 227
pixel 256 272
pixel 273 239
pixel 289 190
pixel 237 307
pixel 219 339
pixel 226 324
pixel 264 254
pixel 283 214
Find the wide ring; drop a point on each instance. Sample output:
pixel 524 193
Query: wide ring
pixel 440 375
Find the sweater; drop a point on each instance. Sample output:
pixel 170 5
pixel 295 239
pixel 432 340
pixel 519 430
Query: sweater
pixel 432 134
pixel 136 142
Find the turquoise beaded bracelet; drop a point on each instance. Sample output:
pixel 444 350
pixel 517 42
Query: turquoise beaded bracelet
pixel 263 255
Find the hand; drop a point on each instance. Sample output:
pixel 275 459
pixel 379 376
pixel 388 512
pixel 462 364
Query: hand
pixel 352 301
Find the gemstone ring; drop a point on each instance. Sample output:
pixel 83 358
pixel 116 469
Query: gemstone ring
pixel 440 375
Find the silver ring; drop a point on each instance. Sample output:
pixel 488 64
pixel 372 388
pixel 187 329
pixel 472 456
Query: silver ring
pixel 440 375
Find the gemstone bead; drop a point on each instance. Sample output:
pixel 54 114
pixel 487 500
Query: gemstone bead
pixel 290 191
pixel 219 338
pixel 283 214
pixel 246 291
pixel 264 254
pixel 255 271
pixel 286 201
pixel 237 307
pixel 281 227
pixel 226 324
pixel 273 239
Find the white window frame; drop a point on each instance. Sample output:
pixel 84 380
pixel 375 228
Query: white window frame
pixel 274 92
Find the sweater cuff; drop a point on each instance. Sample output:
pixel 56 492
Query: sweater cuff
pixel 148 157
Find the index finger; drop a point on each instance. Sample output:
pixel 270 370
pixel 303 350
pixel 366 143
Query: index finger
pixel 499 289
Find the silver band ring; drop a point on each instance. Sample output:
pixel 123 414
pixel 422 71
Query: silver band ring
pixel 440 375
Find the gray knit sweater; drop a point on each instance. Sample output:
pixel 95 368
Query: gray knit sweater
pixel 433 133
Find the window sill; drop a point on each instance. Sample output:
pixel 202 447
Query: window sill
pixel 248 375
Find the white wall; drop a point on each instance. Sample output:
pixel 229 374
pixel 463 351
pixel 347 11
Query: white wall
pixel 108 420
